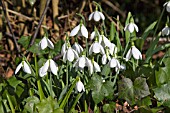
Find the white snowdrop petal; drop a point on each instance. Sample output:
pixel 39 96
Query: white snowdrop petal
pixel 112 48
pixel 75 31
pixel 26 68
pixel 50 44
pixel 96 16
pixel 96 67
pixel 18 68
pixel 89 65
pixel 125 29
pixel 91 15
pixel 123 67
pixel 82 62
pixel 70 55
pixel 92 35
pixel 136 53
pixel 53 67
pixel 102 50
pixel 136 27
pixel 63 49
pixel 168 7
pixel 131 27
pixel 80 86
pixel 165 4
pixel 102 16
pixel 43 43
pixel 75 54
pixel 65 57
pixel 40 72
pixel 45 67
pixel 104 59
pixel 112 63
pixel 84 31
pixel 106 41
pixel 90 49
pixel 165 31
pixel 96 47
pixel 129 54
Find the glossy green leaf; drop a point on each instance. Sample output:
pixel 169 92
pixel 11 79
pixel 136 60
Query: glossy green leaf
pixel 106 70
pixel 24 41
pixel 47 105
pixel 13 82
pixel 162 93
pixel 109 108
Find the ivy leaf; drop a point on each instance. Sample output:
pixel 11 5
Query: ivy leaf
pixel 162 75
pixel 47 105
pixel 162 93
pixel 126 91
pixel 24 41
pixel 13 82
pixel 131 91
pixel 109 108
pixel 141 88
pixel 99 88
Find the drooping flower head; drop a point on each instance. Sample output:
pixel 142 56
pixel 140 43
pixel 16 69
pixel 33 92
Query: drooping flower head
pixel 77 47
pixel 133 51
pixel 45 42
pixel 167 5
pixel 26 68
pixel 81 62
pixel 131 27
pixel 51 66
pixel 80 86
pixel 165 31
pixel 80 30
pixel 96 47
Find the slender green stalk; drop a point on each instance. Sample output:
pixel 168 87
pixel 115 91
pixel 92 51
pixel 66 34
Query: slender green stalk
pixel 67 73
pixel 75 102
pixel 38 79
pixel 10 103
pixel 114 81
pixel 126 47
pixel 51 88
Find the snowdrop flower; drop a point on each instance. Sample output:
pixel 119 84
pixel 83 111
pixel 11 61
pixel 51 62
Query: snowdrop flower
pixel 167 4
pixel 24 66
pixel 96 16
pixel 94 34
pixel 112 49
pixel 77 48
pixel 81 62
pixel 40 72
pixel 49 65
pixel 114 63
pixel 46 42
pixel 133 51
pixel 96 48
pixel 122 67
pixel 131 27
pixel 79 30
pixel 165 31
pixel 80 86
pixel 105 41
pixel 106 57
pixel 93 66
pixel 70 54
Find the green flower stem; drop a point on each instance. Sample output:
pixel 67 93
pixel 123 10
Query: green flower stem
pixel 67 73
pixel 75 102
pixel 87 53
pixel 38 79
pixel 114 81
pixel 126 47
pixel 50 84
pixel 65 100
pixel 10 103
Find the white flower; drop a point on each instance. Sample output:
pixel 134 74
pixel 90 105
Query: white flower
pixel 114 63
pixel 96 48
pixel 112 49
pixel 104 41
pixel 40 72
pixel 96 16
pixel 122 67
pixel 167 4
pixel 105 58
pixel 135 52
pixel 81 62
pixel 165 31
pixel 131 27
pixel 46 42
pixel 93 66
pixel 80 86
pixel 24 66
pixel 77 48
pixel 94 34
pixel 64 48
pixel 80 30
pixel 49 65
pixel 70 54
